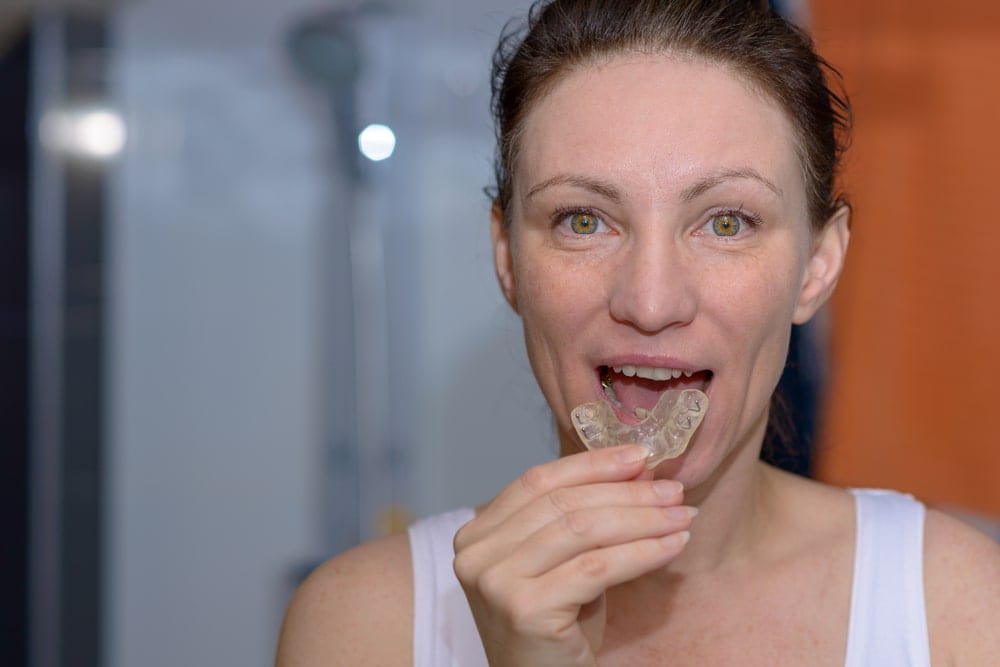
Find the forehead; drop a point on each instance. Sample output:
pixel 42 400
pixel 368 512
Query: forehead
pixel 655 122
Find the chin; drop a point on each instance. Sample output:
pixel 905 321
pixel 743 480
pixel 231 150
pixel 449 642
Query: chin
pixel 714 449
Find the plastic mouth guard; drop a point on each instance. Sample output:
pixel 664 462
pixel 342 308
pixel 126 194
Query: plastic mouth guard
pixel 665 430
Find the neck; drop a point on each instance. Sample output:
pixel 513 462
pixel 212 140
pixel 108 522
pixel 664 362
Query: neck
pixel 736 506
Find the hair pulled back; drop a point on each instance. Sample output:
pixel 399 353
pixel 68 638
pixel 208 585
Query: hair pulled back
pixel 745 36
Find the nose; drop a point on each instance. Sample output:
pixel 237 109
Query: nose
pixel 653 287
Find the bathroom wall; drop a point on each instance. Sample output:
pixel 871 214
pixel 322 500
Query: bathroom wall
pixel 232 302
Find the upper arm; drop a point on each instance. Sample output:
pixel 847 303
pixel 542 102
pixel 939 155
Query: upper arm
pixel 356 609
pixel 962 588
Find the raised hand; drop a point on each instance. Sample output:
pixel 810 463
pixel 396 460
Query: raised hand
pixel 536 562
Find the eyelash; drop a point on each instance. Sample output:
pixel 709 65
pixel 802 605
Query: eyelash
pixel 751 219
pixel 560 215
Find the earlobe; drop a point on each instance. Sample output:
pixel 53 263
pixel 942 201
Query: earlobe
pixel 825 265
pixel 503 260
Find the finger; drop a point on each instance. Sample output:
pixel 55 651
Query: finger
pixel 505 538
pixel 588 530
pixel 603 465
pixel 587 576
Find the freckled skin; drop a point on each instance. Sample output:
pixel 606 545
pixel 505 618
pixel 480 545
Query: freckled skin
pixel 657 278
pixel 766 577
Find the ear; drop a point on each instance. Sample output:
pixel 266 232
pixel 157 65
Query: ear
pixel 825 265
pixel 503 260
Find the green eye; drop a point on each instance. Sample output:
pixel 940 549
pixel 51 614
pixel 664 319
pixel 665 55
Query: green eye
pixel 726 225
pixel 583 223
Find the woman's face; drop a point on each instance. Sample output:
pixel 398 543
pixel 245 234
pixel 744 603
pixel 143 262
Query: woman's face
pixel 659 227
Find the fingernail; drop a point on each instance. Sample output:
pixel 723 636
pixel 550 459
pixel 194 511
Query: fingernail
pixel 676 540
pixel 668 488
pixel 681 513
pixel 632 454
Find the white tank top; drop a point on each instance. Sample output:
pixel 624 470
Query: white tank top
pixel 888 624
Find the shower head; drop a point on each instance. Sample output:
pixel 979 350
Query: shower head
pixel 325 45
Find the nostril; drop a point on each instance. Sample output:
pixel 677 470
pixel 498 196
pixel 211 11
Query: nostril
pixel 651 288
pixel 654 308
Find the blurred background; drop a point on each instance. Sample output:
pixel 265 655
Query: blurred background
pixel 249 317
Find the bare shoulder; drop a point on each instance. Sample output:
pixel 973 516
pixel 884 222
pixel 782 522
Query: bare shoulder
pixel 355 609
pixel 962 591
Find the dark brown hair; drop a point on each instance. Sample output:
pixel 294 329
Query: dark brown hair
pixel 744 35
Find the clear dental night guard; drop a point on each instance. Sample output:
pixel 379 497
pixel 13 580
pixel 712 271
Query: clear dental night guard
pixel 665 430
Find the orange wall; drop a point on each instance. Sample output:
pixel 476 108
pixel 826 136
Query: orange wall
pixel 914 402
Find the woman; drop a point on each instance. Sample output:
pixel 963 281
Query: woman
pixel 665 206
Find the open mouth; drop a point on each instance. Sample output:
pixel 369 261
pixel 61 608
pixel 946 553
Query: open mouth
pixel 634 390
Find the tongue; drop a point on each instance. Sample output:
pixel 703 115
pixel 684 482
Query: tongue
pixel 636 392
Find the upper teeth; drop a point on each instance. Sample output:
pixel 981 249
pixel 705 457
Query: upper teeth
pixel 651 373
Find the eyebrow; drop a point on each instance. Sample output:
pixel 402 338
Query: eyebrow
pixel 689 194
pixel 699 188
pixel 597 186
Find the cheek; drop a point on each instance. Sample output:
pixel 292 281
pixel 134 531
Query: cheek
pixel 756 298
pixel 546 313
pixel 561 302
pixel 556 296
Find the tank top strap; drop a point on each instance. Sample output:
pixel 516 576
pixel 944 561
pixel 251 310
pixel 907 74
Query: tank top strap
pixel 444 632
pixel 888 624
